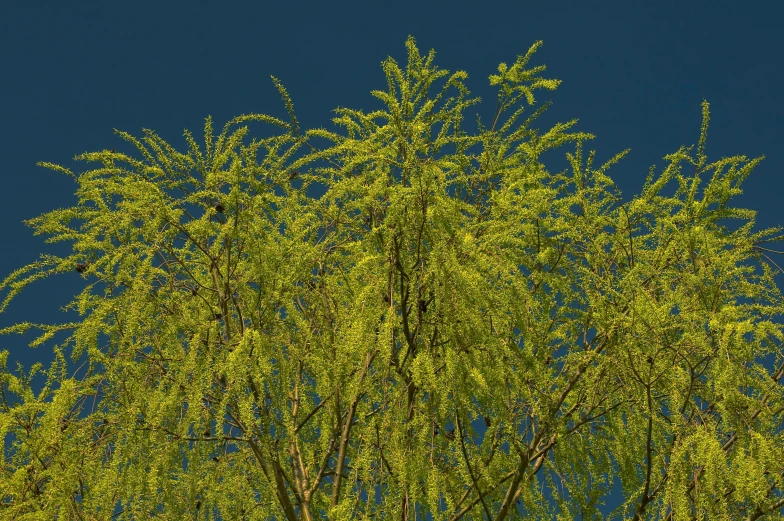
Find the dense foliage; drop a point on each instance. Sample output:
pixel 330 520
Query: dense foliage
pixel 465 336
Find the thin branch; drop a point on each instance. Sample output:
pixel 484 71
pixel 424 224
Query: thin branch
pixel 311 413
pixel 471 472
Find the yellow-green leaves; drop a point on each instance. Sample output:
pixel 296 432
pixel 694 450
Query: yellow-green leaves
pixel 445 329
pixel 514 78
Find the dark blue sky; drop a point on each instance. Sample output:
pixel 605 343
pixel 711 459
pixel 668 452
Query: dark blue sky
pixel 634 74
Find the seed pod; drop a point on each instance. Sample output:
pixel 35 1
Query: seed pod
pixel 219 208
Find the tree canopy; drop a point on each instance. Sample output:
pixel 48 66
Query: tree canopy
pixel 442 335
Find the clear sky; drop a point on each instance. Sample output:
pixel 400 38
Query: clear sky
pixel 634 74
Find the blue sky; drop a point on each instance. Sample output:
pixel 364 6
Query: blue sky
pixel 634 74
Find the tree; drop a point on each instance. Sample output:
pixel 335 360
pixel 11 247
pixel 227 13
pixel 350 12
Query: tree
pixel 435 335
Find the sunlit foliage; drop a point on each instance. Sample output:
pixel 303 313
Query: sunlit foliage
pixel 443 335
